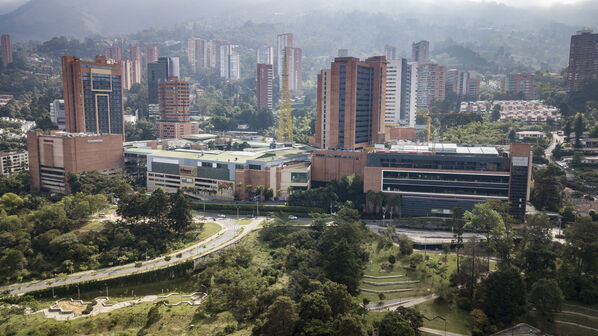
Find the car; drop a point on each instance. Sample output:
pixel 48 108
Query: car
pixel 291 217
pixel 221 216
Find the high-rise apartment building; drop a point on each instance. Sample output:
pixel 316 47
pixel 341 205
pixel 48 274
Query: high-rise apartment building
pixel 350 106
pixel 114 53
pixel 295 67
pixel 264 55
pixel 230 63
pixel 456 82
pixel 473 89
pixel 401 92
pixel 583 59
pixel 282 41
pixel 13 163
pixel 215 48
pixel 157 72
pixel 151 54
pixel 390 52
pixel 197 53
pixel 420 51
pixel 135 56
pixel 57 114
pixel 173 96
pixel 92 96
pixel 523 84
pixel 6 50
pixel 126 68
pixel 265 77
pixel 431 84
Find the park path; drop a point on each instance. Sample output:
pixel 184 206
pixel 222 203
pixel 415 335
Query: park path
pixel 403 302
pixel 230 233
pixel 383 276
pixel 439 332
pixel 578 314
pixel 576 325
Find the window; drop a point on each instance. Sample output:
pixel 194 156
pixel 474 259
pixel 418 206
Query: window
pixel 299 177
pixel 255 167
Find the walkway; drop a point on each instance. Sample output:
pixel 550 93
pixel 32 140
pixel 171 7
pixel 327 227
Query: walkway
pixel 439 332
pixel 389 305
pixel 231 233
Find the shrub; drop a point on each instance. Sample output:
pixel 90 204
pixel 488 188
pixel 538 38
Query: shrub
pixel 392 259
pixel 138 264
pixel 179 255
pixel 167 258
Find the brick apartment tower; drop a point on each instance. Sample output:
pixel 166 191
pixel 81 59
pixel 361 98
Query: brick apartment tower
pixel 197 53
pixel 173 100
pixel 114 53
pixel 523 84
pixel 431 84
pixel 350 107
pixel 265 76
pixel 6 50
pixel 136 58
pixel 583 59
pixel 93 94
pixel 151 54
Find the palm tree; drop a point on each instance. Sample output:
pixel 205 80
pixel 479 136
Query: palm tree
pixel 259 190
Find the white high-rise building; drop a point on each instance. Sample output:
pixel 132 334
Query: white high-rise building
pixel 229 63
pixel 265 55
pixel 401 93
pixel 57 114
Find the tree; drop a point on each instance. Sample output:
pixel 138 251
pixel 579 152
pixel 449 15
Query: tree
pixel 487 220
pixel 279 319
pixel 393 324
pixel 502 295
pixel 158 209
pixel 339 300
pixel 180 212
pixel 495 114
pixel 582 245
pixel 548 190
pixel 579 128
pixel 546 296
pixel 11 203
pixel 349 325
pixel 405 245
pixel 459 228
pixel 536 257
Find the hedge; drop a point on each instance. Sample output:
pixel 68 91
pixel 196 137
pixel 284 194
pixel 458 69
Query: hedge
pixel 245 208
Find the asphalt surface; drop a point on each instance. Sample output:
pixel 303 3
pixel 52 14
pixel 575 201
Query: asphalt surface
pixel 421 237
pixel 231 232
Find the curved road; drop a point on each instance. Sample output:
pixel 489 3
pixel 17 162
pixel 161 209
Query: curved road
pixel 230 233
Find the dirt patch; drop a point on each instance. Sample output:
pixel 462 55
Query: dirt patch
pixel 76 307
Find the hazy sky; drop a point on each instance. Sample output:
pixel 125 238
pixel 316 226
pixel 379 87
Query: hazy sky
pixel 9 5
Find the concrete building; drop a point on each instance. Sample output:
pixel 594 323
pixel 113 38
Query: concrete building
pixel 114 52
pixel 134 54
pixel 282 41
pixel 197 53
pixel 390 52
pixel 13 163
pixel 456 82
pixel 215 49
pixel 583 59
pixel 173 98
pixel 6 50
pixel 53 156
pixel 126 68
pixel 265 78
pixel 523 84
pixel 295 67
pixel 433 179
pixel 431 84
pixel 230 63
pixel 221 174
pixel 473 89
pixel 157 72
pixel 350 106
pixel 420 51
pixel 5 98
pixel 264 55
pixel 151 54
pixel 401 92
pixel 93 94
pixel 57 114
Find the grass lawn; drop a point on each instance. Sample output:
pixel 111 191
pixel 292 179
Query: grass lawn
pixel 457 320
pixel 245 221
pixel 209 229
pixel 567 330
pixel 593 323
pixel 93 225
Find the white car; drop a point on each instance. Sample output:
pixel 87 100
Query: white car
pixel 291 217
pixel 221 216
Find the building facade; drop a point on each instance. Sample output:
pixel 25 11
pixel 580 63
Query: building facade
pixel 282 41
pixel 158 72
pixel 114 52
pixel 523 84
pixel 6 50
pixel 431 84
pixel 173 101
pixel 420 51
pixel 583 59
pixel 57 114
pixel 53 156
pixel 401 92
pixel 151 54
pixel 265 78
pixel 230 63
pixel 390 52
pixel 197 53
pixel 473 89
pixel 93 94
pixel 214 49
pixel 264 55
pixel 13 163
pixel 350 107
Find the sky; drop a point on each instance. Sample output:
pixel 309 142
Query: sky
pixel 9 5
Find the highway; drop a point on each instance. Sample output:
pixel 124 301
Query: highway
pixel 230 233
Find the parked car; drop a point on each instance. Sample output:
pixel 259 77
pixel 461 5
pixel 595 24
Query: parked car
pixel 221 216
pixel 291 217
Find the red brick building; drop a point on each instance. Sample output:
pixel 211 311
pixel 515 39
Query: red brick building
pixel 173 101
